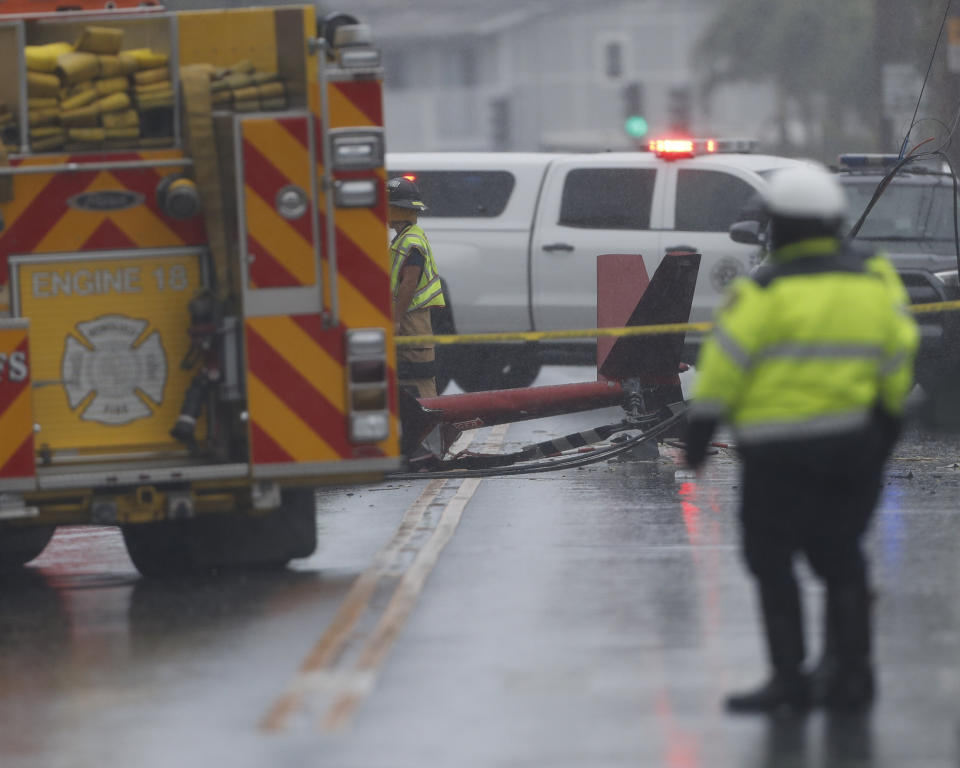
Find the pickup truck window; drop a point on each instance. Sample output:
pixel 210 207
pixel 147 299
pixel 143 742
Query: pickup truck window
pixel 709 201
pixel 608 198
pixel 463 194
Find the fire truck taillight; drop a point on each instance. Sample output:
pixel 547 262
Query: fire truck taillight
pixel 356 150
pixel 367 385
pixel 355 193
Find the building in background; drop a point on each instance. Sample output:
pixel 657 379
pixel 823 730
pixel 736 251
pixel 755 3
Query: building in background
pixel 550 74
pixel 545 74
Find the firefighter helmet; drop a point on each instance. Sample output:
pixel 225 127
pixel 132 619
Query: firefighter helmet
pixel 806 192
pixel 404 193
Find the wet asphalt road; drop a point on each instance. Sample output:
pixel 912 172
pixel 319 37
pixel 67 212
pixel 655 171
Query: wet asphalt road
pixel 591 617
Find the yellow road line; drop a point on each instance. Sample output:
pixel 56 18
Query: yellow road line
pixel 592 333
pixel 328 648
pixel 404 600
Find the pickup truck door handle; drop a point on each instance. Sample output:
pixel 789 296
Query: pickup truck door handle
pixel 558 247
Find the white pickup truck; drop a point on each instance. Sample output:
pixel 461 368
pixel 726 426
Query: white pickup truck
pixel 516 236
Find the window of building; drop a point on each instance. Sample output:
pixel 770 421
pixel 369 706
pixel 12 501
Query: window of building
pixel 709 201
pixel 468 194
pixel 613 60
pixel 608 198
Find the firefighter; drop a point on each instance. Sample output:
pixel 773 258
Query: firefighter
pixel 415 285
pixel 810 362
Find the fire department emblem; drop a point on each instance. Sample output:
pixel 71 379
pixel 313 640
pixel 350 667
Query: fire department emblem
pixel 124 372
pixel 725 271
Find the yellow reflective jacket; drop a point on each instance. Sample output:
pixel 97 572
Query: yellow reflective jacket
pixel 429 291
pixel 810 347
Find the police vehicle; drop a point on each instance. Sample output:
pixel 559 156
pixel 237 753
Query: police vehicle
pixel 913 221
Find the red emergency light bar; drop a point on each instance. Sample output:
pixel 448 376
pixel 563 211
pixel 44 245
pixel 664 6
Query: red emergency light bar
pixel 671 149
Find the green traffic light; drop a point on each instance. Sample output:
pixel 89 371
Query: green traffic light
pixel 635 126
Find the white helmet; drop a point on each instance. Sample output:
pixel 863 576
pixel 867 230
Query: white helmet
pixel 807 191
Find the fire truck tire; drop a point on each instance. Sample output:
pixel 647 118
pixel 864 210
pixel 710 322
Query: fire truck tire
pixel 480 369
pixel 18 546
pixel 176 548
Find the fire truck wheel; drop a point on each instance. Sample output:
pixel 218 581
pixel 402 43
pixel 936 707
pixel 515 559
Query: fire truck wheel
pixel 175 548
pixel 161 550
pixel 18 546
pixel 482 369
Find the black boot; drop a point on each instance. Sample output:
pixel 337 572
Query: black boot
pixel 780 696
pixel 848 684
pixel 822 675
pixel 787 692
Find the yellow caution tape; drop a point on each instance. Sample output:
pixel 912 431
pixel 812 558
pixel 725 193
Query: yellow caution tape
pixel 593 333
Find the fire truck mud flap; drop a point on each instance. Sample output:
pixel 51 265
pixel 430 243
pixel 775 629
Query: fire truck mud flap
pixel 178 548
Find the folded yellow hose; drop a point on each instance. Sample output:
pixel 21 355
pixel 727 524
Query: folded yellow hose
pixel 110 66
pixel 221 97
pixel 163 85
pixel 39 84
pixel 126 119
pixel 43 58
pixel 88 116
pixel 148 76
pixel 113 103
pixel 82 87
pixel 87 135
pixel 77 66
pixel 158 141
pixel 43 102
pixel 43 116
pixel 46 131
pixel 274 105
pixel 155 100
pixel 250 105
pixel 148 59
pixel 122 133
pixel 271 91
pixel 103 40
pixel 110 85
pixel 262 78
pixel 51 142
pixel 245 94
pixel 82 99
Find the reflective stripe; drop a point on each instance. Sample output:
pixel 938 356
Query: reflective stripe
pixel 429 291
pixel 727 343
pixel 818 426
pixel 894 363
pixel 707 409
pixel 806 351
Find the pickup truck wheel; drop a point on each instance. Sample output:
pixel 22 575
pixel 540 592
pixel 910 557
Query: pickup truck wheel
pixel 441 320
pixel 481 369
pixel 176 548
pixel 18 546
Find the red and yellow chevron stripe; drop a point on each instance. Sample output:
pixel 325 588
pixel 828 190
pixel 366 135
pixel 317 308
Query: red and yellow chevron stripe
pixel 16 408
pixel 40 219
pixel 363 257
pixel 276 154
pixel 296 381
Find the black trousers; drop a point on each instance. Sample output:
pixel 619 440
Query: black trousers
pixel 814 497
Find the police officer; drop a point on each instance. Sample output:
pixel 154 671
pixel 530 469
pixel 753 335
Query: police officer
pixel 810 362
pixel 415 286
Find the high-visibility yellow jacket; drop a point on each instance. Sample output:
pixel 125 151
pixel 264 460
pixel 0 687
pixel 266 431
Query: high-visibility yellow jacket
pixel 808 347
pixel 429 291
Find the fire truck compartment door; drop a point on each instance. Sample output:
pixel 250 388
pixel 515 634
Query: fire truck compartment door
pixel 17 467
pixel 108 332
pixel 279 223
